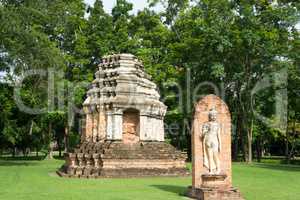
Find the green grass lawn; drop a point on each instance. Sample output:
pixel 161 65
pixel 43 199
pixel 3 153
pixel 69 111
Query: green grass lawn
pixel 33 180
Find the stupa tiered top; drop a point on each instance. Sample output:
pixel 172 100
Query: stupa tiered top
pixel 125 96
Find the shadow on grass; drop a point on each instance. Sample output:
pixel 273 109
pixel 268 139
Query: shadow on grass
pixel 6 163
pixel 24 161
pixel 23 158
pixel 280 160
pixel 281 167
pixel 179 190
pixel 29 158
pixel 58 157
pixel 20 160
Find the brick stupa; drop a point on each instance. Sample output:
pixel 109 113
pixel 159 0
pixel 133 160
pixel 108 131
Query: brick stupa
pixel 123 134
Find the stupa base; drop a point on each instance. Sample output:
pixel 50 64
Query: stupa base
pixel 119 160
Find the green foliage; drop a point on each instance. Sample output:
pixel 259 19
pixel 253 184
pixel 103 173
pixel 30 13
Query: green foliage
pixel 23 40
pixel 232 44
pixel 121 10
pixel 99 33
pixel 235 43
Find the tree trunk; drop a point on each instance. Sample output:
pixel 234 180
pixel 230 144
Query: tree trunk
pixel 37 152
pixel 31 127
pixel 245 148
pixel 187 132
pixel 286 147
pixel 24 152
pixel 235 147
pixel 248 107
pixel 243 139
pixel 249 137
pixel 50 150
pixel 263 149
pixel 14 151
pixel 59 147
pixel 244 132
pixel 293 143
pixel 258 149
pixel 249 141
pixel 238 138
pixel 66 139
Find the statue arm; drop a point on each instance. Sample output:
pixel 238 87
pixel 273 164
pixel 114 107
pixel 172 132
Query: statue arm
pixel 203 137
pixel 219 139
pixel 204 131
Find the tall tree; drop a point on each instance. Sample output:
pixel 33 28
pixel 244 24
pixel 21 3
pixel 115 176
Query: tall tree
pixel 99 32
pixel 122 41
pixel 234 43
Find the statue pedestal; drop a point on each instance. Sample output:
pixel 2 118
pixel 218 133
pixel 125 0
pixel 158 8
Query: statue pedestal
pixel 214 193
pixel 214 187
pixel 213 180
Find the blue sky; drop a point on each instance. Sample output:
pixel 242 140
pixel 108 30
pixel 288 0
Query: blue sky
pixel 137 4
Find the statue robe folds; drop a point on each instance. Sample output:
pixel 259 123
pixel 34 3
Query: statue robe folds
pixel 211 142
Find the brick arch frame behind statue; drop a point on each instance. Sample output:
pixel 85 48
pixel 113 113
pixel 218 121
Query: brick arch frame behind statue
pixel 201 110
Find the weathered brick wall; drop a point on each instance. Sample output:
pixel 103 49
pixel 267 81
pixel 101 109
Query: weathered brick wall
pixel 124 160
pixel 131 127
pixel 89 126
pixel 142 163
pixel 102 125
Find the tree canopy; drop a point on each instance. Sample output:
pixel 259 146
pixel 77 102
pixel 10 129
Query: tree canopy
pixel 247 52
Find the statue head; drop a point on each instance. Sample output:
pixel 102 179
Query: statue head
pixel 212 114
